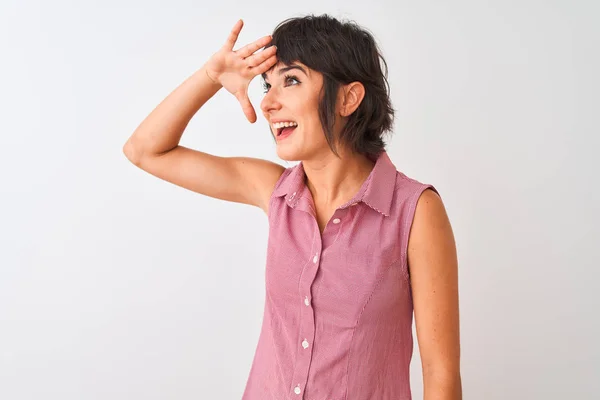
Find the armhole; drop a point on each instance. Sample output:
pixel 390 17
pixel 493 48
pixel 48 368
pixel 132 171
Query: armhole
pixel 277 184
pixel 408 222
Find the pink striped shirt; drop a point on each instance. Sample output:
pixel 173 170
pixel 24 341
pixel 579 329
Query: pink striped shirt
pixel 338 307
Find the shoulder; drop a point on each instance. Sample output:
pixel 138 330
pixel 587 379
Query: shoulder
pixel 278 184
pixel 431 231
pixel 412 194
pixel 429 203
pixel 420 211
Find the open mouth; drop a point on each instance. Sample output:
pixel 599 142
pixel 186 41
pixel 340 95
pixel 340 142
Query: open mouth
pixel 286 131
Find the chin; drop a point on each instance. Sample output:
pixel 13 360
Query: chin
pixel 288 154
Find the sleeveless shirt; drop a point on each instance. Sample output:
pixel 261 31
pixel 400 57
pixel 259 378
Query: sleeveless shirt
pixel 337 322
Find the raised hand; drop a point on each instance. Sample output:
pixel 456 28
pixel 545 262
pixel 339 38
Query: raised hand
pixel 235 69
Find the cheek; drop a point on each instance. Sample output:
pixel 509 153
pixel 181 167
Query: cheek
pixel 311 113
pixel 307 108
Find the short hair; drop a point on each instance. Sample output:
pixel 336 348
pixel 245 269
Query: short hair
pixel 343 52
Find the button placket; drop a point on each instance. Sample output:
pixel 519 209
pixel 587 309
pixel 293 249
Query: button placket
pixel 334 227
pixel 307 326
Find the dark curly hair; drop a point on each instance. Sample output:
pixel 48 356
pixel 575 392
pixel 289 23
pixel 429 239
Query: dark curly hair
pixel 343 52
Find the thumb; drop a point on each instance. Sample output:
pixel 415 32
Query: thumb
pixel 247 106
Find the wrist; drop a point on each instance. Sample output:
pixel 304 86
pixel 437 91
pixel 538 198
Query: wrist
pixel 210 78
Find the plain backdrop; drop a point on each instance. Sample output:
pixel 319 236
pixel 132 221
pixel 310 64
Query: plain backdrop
pixel 116 285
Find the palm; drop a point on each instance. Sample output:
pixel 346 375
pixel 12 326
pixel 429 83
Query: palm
pixel 235 69
pixel 235 76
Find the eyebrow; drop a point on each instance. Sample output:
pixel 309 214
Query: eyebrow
pixel 285 69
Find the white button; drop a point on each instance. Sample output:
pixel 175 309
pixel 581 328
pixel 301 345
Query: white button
pixel 305 344
pixel 297 389
pixel 306 301
pixel 315 258
pixel 336 221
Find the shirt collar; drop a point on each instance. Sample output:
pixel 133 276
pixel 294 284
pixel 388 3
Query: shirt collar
pixel 377 191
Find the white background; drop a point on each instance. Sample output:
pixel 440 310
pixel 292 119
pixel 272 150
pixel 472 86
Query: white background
pixel 116 285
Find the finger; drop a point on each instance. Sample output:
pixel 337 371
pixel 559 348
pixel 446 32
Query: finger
pixel 258 58
pixel 247 107
pixel 233 35
pixel 252 47
pixel 264 66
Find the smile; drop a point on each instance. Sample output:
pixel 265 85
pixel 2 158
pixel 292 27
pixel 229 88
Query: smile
pixel 285 132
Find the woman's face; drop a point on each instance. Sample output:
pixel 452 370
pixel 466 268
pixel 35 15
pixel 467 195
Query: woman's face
pixel 292 95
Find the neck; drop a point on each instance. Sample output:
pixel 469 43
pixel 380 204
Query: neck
pixel 333 181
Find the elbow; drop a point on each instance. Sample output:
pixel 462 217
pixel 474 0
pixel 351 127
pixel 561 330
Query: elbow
pixel 132 152
pixel 443 385
pixel 442 373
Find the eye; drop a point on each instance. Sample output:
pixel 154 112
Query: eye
pixel 266 87
pixel 291 78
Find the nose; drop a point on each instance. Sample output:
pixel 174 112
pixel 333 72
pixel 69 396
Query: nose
pixel 270 102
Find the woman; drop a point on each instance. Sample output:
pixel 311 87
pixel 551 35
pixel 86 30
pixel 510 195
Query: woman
pixel 354 245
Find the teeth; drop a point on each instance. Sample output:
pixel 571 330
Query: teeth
pixel 279 125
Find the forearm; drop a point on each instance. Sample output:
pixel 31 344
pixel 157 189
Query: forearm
pixel 162 129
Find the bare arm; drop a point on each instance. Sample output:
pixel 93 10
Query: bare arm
pixel 162 129
pixel 154 145
pixel 434 278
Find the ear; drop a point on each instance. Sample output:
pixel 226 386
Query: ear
pixel 352 95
